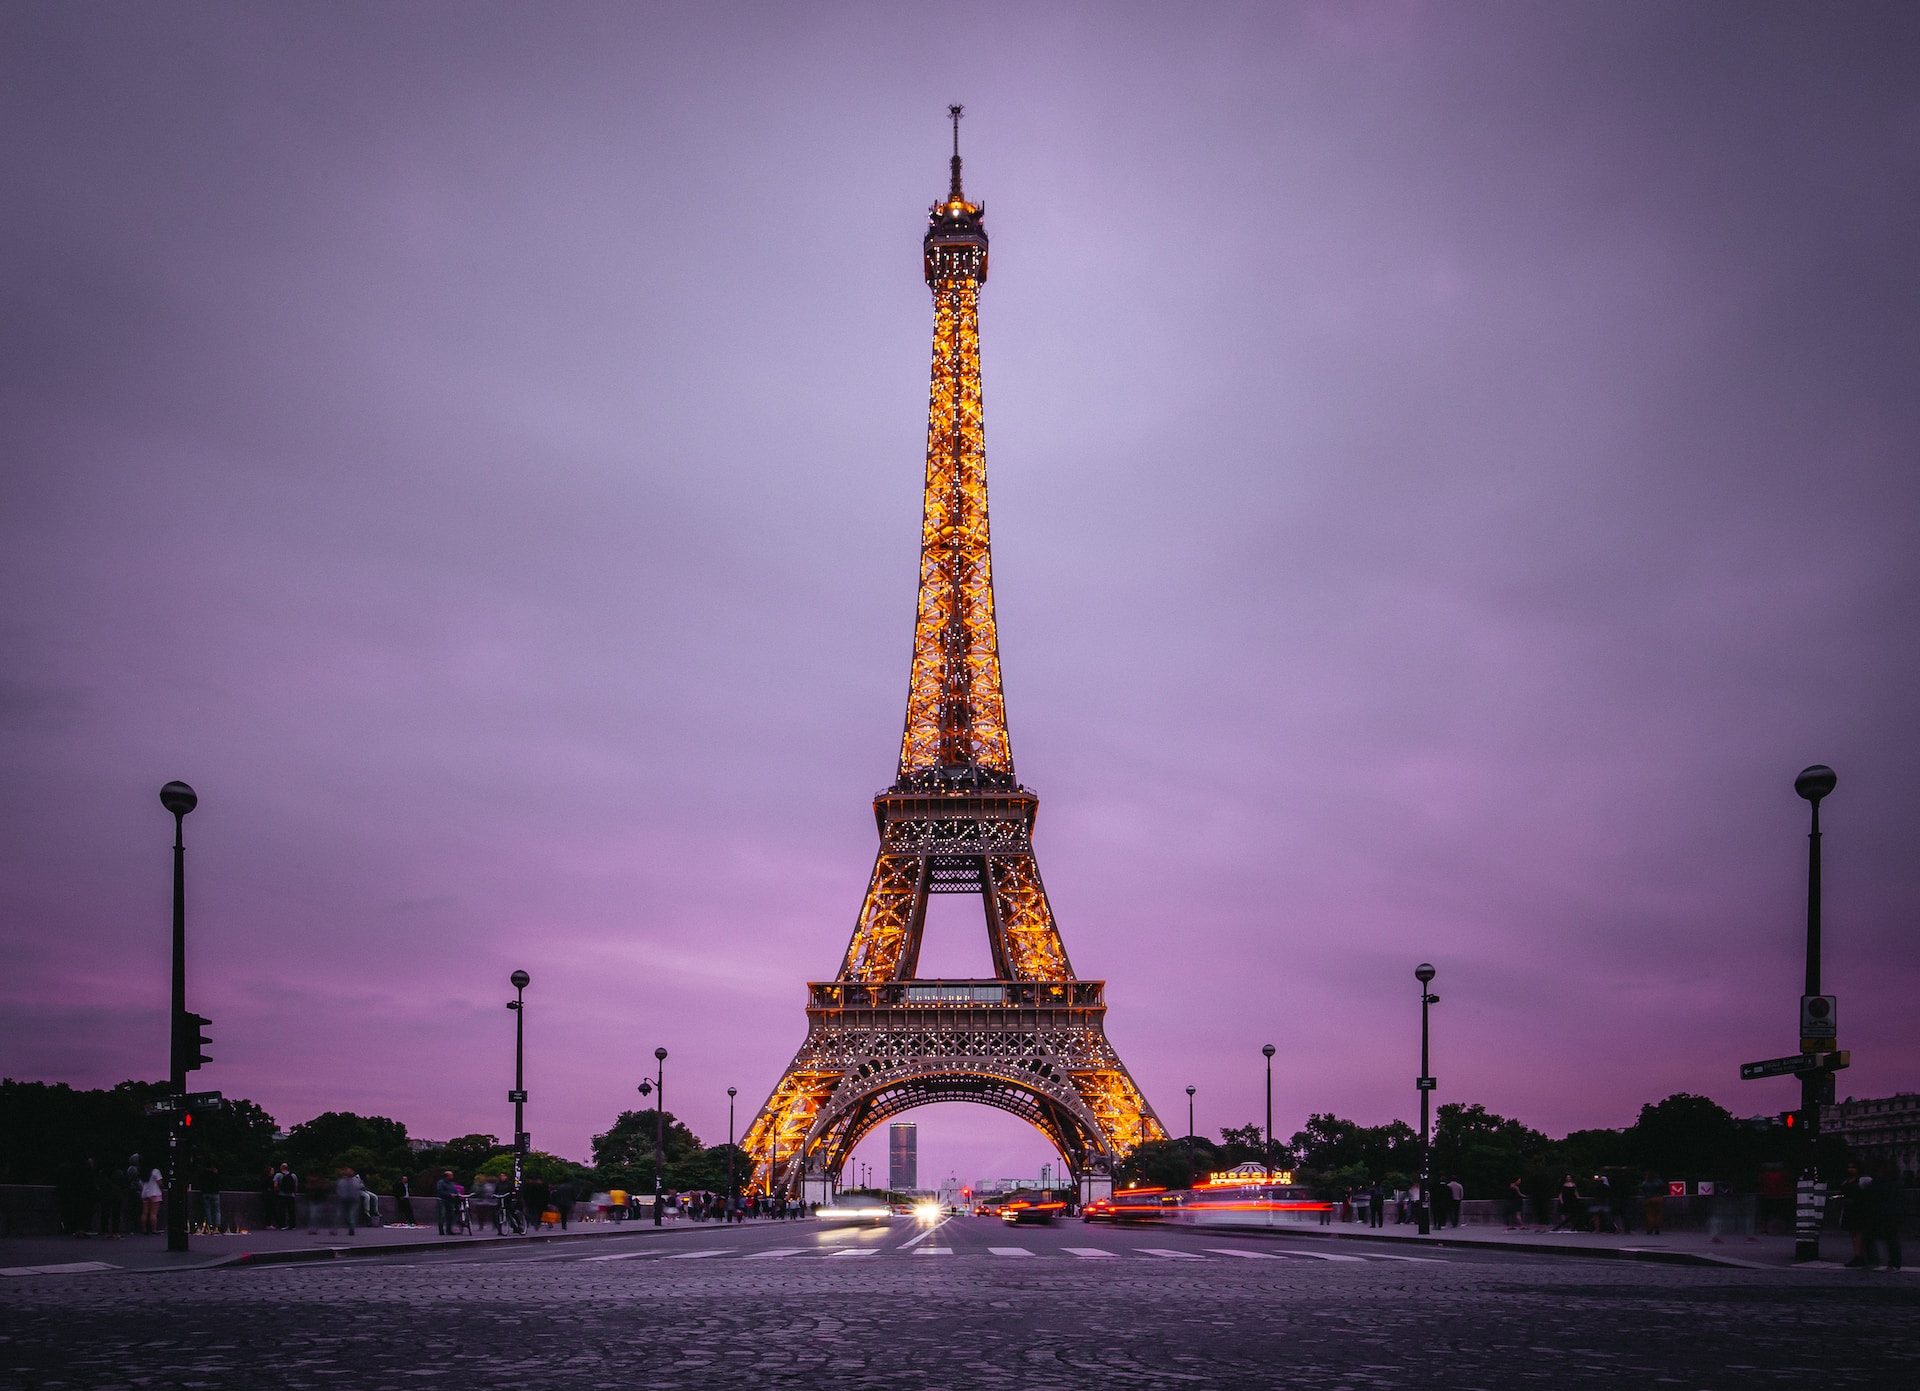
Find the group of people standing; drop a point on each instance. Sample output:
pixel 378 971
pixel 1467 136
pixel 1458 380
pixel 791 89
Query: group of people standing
pixel 98 1199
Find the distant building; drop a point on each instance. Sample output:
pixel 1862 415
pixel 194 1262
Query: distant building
pixel 1879 1130
pixel 903 1157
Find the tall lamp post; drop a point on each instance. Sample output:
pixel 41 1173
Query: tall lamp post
pixel 659 1126
pixel 1424 973
pixel 1267 1154
pixel 518 1096
pixel 1190 1172
pixel 179 799
pixel 732 1092
pixel 1816 1086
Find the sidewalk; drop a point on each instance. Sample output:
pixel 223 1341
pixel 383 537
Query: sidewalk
pixel 1682 1248
pixel 56 1255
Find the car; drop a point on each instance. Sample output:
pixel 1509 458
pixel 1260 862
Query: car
pixel 1023 1213
pixel 868 1212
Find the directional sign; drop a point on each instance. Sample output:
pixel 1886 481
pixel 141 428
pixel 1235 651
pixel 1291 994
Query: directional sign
pixel 205 1101
pixel 166 1105
pixel 1779 1067
pixel 516 1095
pixel 1425 1084
pixel 1797 1064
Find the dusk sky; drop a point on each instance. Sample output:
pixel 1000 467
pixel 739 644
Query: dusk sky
pixel 1451 467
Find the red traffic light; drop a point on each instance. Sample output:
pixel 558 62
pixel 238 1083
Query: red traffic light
pixel 1790 1119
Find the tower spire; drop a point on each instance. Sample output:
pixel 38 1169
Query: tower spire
pixel 954 113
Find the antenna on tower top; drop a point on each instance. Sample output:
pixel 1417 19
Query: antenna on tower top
pixel 954 113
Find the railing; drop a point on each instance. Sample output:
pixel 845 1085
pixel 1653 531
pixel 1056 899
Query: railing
pixel 956 994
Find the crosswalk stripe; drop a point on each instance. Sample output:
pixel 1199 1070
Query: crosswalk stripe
pixel 775 1253
pixel 1245 1255
pixel 1325 1256
pixel 698 1255
pixel 1090 1253
pixel 869 1251
pixel 1165 1254
pixel 1010 1250
pixel 622 1256
pixel 934 1251
pixel 1423 1260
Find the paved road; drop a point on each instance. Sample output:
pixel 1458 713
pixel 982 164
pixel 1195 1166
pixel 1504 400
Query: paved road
pixel 969 1303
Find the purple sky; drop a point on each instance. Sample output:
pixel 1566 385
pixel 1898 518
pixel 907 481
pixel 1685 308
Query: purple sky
pixel 1451 466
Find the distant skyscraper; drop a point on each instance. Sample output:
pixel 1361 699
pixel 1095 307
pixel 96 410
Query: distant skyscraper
pixel 903 1156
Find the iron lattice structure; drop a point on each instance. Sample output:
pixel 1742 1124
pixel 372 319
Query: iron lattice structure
pixel 880 1040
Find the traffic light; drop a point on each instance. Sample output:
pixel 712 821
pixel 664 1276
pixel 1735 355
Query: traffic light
pixel 1790 1119
pixel 193 1042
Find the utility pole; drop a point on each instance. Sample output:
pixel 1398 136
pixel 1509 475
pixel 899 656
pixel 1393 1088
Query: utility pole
pixel 518 1096
pixel 184 1054
pixel 1267 1154
pixel 1424 973
pixel 659 1127
pixel 1816 1084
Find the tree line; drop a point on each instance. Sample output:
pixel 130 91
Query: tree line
pixel 47 1128
pixel 1682 1137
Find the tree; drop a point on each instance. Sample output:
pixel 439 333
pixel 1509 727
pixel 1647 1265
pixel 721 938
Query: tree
pixel 1163 1164
pixel 1333 1152
pixel 623 1156
pixel 1484 1151
pixel 373 1146
pixel 1689 1136
pixel 465 1155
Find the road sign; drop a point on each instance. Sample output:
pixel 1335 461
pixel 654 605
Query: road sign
pixel 517 1094
pixel 1819 1017
pixel 1425 1084
pixel 205 1101
pixel 1779 1067
pixel 192 1101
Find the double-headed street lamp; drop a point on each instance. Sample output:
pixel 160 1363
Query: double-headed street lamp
pixel 518 1096
pixel 184 1054
pixel 1267 1154
pixel 1424 973
pixel 659 1126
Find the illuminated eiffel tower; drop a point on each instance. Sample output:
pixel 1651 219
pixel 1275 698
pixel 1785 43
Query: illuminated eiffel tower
pixel 881 1040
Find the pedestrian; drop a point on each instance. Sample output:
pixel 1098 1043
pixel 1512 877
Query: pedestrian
pixel 286 1198
pixel 130 1183
pixel 1601 1207
pixel 1885 1212
pixel 107 1200
pixel 151 1191
pixel 319 1199
pixel 403 1202
pixel 348 1190
pixel 1516 1205
pixel 1573 1207
pixel 1377 1204
pixel 565 1195
pixel 1853 1212
pixel 207 1184
pixel 485 1203
pixel 1653 1203
pixel 448 1194
pixel 1456 1199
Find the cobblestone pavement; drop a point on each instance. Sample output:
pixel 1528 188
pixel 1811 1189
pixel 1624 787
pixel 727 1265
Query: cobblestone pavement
pixel 969 1304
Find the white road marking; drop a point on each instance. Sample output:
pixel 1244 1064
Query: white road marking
pixel 1090 1253
pixel 1010 1250
pixel 1165 1254
pixel 1423 1260
pixel 934 1251
pixel 775 1252
pixel 623 1256
pixel 698 1255
pixel 924 1235
pixel 1245 1255
pixel 64 1268
pixel 1325 1256
pixel 839 1255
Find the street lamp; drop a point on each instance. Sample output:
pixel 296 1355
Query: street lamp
pixel 1267 1154
pixel 1424 973
pixel 659 1126
pixel 518 1096
pixel 1816 1085
pixel 1190 1137
pixel 732 1092
pixel 179 799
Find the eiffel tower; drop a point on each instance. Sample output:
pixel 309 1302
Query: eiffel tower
pixel 881 1040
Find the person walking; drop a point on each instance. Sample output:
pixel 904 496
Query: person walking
pixel 347 1191
pixel 1516 1206
pixel 448 1193
pixel 1601 1207
pixel 1653 1204
pixel 565 1195
pixel 286 1198
pixel 1377 1204
pixel 1853 1211
pixel 152 1189
pixel 1885 1211
pixel 1456 1200
pixel 403 1202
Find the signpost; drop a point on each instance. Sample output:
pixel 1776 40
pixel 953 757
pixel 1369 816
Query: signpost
pixel 1796 1065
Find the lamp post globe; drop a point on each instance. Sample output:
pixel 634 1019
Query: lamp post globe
pixel 1424 972
pixel 1813 783
pixel 520 980
pixel 179 798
